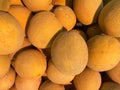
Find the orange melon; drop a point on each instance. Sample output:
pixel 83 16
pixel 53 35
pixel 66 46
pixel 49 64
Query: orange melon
pixel 101 56
pixel 11 34
pixel 30 63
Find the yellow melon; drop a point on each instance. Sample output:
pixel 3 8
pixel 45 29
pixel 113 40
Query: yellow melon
pixel 69 53
pixel 30 63
pixel 87 11
pixel 8 80
pixel 11 34
pixel 43 26
pixel 114 73
pixel 27 84
pixel 38 5
pixel 66 16
pixel 4 64
pixel 87 80
pixel 13 88
pixel 107 24
pixel 48 85
pixel 101 56
pixel 56 76
pixel 21 14
pixel 110 86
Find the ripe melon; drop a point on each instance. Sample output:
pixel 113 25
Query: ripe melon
pixel 56 76
pixel 21 14
pixel 69 53
pixel 114 73
pixel 88 80
pixel 11 34
pixel 30 63
pixel 48 85
pixel 4 64
pixel 43 26
pixel 38 5
pixel 59 2
pixel 8 80
pixel 104 52
pixel 86 11
pixel 109 18
pixel 27 84
pixel 66 16
pixel 110 86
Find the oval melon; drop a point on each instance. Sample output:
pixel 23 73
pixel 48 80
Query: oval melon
pixel 30 63
pixel 69 53
pixel 11 34
pixel 101 56
pixel 43 26
pixel 88 80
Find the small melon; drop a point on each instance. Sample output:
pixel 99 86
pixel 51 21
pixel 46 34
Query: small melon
pixel 66 16
pixel 114 73
pixel 109 18
pixel 38 5
pixel 27 84
pixel 69 53
pixel 86 11
pixel 8 80
pixel 56 76
pixel 104 52
pixel 43 26
pixel 30 63
pixel 48 85
pixel 88 80
pixel 21 13
pixel 110 86
pixel 11 34
pixel 4 64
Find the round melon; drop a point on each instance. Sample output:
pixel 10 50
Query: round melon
pixel 66 16
pixel 104 52
pixel 43 26
pixel 86 11
pixel 27 84
pixel 30 63
pixel 8 80
pixel 56 76
pixel 69 53
pixel 88 80
pixel 11 34
pixel 109 18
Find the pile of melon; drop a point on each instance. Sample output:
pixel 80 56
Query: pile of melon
pixel 59 45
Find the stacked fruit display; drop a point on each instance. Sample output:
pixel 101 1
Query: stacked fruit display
pixel 59 44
